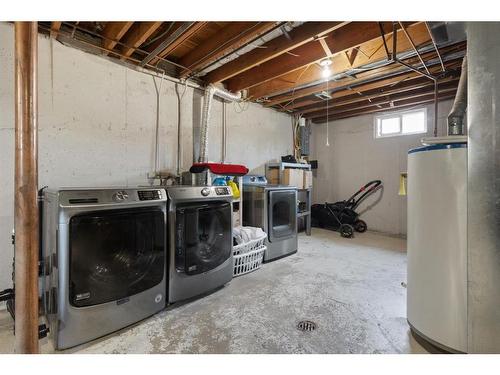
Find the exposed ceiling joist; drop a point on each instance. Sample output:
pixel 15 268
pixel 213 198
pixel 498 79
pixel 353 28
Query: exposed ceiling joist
pixel 167 42
pixel 339 40
pixel 284 72
pixel 444 88
pixel 405 87
pixel 113 32
pixel 370 52
pixel 397 75
pixel 54 28
pixel 224 42
pixel 370 75
pixel 395 106
pixel 137 35
pixel 272 49
pixel 180 35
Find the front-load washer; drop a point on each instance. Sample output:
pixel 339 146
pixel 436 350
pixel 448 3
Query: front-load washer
pixel 104 253
pixel 200 239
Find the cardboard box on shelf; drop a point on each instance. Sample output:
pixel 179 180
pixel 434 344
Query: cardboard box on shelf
pixel 291 177
pixel 308 179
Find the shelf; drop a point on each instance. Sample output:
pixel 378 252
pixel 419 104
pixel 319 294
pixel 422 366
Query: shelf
pixel 289 165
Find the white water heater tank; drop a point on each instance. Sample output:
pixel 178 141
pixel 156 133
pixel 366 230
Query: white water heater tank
pixel 437 244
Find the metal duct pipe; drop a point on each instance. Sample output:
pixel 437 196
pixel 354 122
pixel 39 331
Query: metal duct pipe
pixel 210 91
pixel 224 133
pixel 457 113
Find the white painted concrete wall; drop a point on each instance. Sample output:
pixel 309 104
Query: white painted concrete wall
pixel 97 124
pixel 355 157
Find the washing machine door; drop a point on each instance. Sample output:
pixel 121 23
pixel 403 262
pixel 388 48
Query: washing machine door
pixel 115 254
pixel 203 236
pixel 282 214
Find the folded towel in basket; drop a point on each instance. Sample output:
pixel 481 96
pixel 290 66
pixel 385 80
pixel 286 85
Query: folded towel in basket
pixel 247 234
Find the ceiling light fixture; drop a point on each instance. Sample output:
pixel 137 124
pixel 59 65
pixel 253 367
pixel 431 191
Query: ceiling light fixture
pixel 325 65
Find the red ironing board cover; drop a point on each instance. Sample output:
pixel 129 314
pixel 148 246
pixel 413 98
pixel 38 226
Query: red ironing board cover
pixel 221 169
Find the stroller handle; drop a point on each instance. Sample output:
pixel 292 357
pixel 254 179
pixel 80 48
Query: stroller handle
pixel 365 190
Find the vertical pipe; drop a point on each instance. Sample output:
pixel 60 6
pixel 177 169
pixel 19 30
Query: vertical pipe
pixel 224 132
pixel 394 42
pixel 436 92
pixel 25 190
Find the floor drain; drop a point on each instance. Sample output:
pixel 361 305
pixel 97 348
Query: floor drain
pixel 306 326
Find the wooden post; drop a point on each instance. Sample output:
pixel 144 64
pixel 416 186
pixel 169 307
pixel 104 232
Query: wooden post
pixel 25 190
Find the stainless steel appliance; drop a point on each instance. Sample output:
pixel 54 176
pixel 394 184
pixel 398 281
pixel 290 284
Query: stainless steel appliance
pixel 200 239
pixel 105 256
pixel 274 209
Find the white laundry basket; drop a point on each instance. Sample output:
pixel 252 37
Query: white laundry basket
pixel 248 256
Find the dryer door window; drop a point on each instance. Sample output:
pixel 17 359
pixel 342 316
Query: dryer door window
pixel 282 214
pixel 203 236
pixel 115 254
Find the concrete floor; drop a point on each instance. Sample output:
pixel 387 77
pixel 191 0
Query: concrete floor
pixel 352 289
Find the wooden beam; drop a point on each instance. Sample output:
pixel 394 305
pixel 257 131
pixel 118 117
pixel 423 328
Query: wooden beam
pixel 325 47
pixel 113 32
pixel 179 39
pixel 340 40
pixel 369 52
pixel 403 87
pixel 369 75
pixel 54 28
pixel 352 56
pixel 275 47
pixel 231 37
pixel 26 187
pixel 347 88
pixel 407 104
pixel 423 92
pixel 137 35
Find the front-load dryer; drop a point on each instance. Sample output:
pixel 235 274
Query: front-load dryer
pixel 200 240
pixel 105 255
pixel 274 209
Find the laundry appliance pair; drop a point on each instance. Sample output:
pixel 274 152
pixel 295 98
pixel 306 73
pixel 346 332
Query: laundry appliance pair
pixel 114 256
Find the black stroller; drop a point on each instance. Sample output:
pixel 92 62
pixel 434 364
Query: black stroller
pixel 342 216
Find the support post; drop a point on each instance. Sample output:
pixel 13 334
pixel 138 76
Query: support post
pixel 25 189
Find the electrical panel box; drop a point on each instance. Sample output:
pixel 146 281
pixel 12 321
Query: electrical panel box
pixel 304 140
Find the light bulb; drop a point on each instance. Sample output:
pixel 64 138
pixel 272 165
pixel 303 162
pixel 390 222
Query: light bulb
pixel 326 72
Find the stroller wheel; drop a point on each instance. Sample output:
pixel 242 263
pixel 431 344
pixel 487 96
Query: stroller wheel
pixel 346 230
pixel 360 226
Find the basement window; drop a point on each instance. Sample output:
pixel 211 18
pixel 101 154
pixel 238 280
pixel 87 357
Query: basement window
pixel 401 123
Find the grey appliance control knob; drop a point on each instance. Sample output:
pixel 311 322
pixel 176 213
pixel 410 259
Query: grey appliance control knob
pixel 120 196
pixel 205 192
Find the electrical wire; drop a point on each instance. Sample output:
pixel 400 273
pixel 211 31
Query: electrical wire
pixel 159 36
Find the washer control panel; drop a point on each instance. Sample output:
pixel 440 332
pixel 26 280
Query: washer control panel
pixel 149 195
pixel 222 190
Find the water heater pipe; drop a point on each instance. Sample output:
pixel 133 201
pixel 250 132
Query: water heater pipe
pixel 210 91
pixel 457 113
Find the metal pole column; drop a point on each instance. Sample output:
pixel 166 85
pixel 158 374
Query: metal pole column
pixel 25 189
